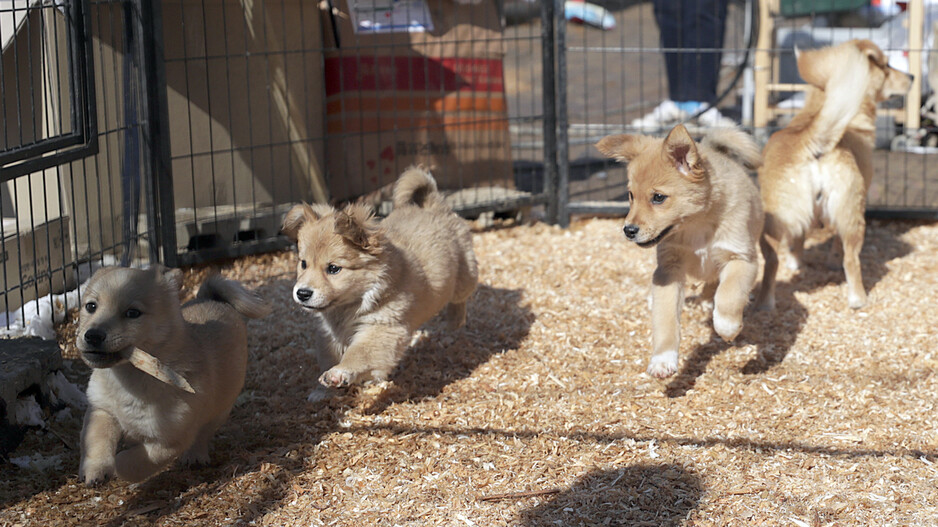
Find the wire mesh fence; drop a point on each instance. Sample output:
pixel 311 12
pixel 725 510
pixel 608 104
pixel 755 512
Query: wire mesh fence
pixel 180 131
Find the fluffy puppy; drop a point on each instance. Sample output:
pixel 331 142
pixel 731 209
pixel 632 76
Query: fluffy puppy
pixel 698 206
pixel 819 167
pixel 205 341
pixel 373 284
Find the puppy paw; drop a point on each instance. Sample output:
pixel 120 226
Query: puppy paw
pixel 336 378
pixel 856 301
pixel 94 473
pixel 195 458
pixel 663 365
pixel 726 327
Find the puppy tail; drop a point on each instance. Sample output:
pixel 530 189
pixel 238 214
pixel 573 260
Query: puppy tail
pixel 247 303
pixel 735 143
pixel 844 93
pixel 417 187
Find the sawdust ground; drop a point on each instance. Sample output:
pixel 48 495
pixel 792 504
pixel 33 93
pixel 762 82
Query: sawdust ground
pixel 818 415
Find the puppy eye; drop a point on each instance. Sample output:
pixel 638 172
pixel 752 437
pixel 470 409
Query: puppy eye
pixel 132 313
pixel 333 269
pixel 91 307
pixel 657 198
pixel 302 264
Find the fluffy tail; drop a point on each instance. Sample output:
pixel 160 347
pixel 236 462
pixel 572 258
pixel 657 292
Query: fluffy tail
pixel 417 187
pixel 230 292
pixel 848 75
pixel 736 144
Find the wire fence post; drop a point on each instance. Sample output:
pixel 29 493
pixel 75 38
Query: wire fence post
pixel 160 207
pixel 563 146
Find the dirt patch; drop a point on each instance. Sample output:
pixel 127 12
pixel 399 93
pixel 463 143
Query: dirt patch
pixel 539 413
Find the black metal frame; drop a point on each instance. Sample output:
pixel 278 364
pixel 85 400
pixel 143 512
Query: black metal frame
pixel 83 140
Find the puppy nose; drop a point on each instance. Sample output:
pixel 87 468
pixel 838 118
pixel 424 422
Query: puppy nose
pixel 304 294
pixel 630 231
pixel 911 77
pixel 95 337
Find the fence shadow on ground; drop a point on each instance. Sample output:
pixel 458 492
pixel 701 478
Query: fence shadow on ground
pixel 636 495
pixel 496 321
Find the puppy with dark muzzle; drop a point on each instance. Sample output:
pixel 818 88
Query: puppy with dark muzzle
pixel 696 204
pixel 204 341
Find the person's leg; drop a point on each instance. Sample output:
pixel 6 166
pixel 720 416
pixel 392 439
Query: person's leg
pixel 670 16
pixel 703 26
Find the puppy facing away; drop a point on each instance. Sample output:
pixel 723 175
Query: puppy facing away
pixel 819 167
pixel 696 204
pixel 373 284
pixel 205 341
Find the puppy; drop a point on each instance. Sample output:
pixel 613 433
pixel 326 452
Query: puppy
pixel 373 284
pixel 205 341
pixel 819 167
pixel 697 205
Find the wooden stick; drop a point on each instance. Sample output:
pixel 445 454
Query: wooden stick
pixel 150 365
pixel 513 495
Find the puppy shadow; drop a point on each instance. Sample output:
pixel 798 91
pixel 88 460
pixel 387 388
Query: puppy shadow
pixel 823 262
pixel 496 321
pixel 772 332
pixel 645 494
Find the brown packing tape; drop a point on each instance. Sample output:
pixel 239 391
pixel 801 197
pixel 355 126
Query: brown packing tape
pixel 152 366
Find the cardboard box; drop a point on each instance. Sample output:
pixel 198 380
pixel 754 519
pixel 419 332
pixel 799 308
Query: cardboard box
pixel 34 259
pixel 414 81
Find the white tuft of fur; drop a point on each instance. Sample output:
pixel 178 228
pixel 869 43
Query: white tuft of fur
pixel 663 364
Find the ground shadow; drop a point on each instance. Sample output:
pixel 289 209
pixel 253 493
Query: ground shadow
pixel 637 495
pixel 823 262
pixel 772 332
pixel 448 356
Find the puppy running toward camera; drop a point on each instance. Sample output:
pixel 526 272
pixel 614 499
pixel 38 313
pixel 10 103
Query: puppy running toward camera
pixel 698 206
pixel 819 167
pixel 373 284
pixel 204 341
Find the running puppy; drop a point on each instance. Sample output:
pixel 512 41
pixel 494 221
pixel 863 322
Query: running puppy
pixel 204 341
pixel 819 167
pixel 373 284
pixel 697 204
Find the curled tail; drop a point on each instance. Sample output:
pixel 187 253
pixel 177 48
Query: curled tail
pixel 843 85
pixel 736 144
pixel 417 187
pixel 230 292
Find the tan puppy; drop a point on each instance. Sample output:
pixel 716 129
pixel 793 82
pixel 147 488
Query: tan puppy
pixel 204 341
pixel 373 284
pixel 819 167
pixel 701 209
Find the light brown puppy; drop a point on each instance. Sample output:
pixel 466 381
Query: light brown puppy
pixel 204 341
pixel 373 284
pixel 696 203
pixel 819 167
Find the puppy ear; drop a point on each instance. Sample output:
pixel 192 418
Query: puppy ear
pixel 356 224
pixel 300 214
pixel 680 150
pixel 623 147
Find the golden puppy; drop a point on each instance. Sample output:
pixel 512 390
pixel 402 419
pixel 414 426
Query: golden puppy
pixel 205 341
pixel 696 203
pixel 819 167
pixel 373 284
